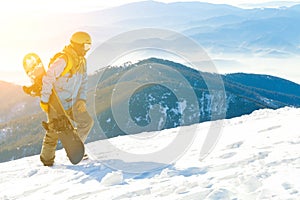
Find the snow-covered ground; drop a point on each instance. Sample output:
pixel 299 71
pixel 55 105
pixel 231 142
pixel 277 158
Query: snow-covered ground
pixel 256 157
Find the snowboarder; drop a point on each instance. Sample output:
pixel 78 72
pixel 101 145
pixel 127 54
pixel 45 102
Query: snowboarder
pixel 67 73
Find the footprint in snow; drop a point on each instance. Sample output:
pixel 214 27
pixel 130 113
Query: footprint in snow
pixel 235 145
pixel 228 155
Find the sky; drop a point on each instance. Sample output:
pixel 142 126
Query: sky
pixel 87 5
pixel 18 32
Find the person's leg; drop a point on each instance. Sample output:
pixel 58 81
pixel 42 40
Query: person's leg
pixel 47 154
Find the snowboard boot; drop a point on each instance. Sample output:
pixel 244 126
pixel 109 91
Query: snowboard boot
pixel 85 157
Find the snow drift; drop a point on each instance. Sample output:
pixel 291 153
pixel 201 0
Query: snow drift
pixel 257 157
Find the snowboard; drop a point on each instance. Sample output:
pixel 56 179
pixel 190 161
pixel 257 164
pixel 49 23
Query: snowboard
pixel 66 131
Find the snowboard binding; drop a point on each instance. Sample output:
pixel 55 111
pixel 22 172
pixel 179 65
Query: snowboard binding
pixel 33 90
pixel 34 68
pixel 59 124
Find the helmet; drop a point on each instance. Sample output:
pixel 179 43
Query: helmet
pixel 81 38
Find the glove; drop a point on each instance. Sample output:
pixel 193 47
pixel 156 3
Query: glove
pixel 44 106
pixel 80 105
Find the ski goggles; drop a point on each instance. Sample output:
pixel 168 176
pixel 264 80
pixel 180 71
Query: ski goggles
pixel 87 46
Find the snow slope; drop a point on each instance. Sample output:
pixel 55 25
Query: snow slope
pixel 256 157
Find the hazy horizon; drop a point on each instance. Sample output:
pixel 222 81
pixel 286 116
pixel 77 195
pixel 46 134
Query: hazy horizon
pixel 34 30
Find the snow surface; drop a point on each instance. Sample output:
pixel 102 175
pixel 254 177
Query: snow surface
pixel 256 157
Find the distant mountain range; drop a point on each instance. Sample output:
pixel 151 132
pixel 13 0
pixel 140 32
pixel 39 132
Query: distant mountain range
pixel 220 29
pixel 151 106
pixel 14 103
pixel 217 27
pixel 270 4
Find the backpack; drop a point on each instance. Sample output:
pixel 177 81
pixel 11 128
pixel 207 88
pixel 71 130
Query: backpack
pixel 74 63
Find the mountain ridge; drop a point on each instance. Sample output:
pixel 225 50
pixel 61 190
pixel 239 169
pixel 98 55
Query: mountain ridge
pixel 246 31
pixel 244 93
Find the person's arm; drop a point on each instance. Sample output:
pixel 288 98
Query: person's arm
pixel 82 93
pixel 54 71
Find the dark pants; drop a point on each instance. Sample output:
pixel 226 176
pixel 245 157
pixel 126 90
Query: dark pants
pixel 84 123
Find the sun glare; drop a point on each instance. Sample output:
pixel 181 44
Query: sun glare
pixel 45 26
